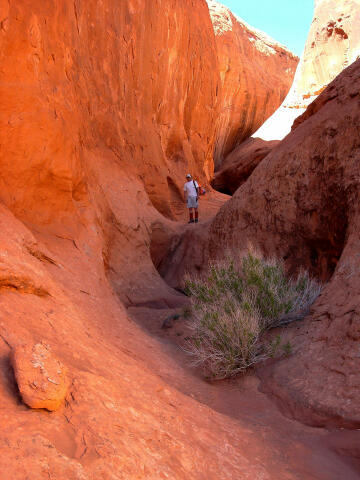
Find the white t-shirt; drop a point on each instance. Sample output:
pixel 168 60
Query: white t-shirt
pixel 189 187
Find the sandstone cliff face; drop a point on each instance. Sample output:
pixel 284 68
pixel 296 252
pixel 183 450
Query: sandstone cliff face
pixel 104 106
pixel 115 79
pixel 104 110
pixel 256 74
pixel 333 43
pixel 302 204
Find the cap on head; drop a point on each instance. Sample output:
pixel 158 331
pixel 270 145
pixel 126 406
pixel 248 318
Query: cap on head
pixel 188 175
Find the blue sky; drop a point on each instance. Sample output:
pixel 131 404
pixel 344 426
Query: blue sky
pixel 287 21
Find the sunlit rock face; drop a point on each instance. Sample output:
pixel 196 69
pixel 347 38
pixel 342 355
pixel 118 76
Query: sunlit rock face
pixel 332 45
pixel 256 73
pixel 115 78
pixel 104 105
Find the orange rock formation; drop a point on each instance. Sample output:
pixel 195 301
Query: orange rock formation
pixel 240 163
pixel 302 204
pixel 105 106
pixel 255 75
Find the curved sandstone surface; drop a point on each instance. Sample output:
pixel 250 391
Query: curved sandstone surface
pixel 333 44
pixel 117 83
pixel 256 73
pixel 240 163
pixel 104 106
pixel 102 114
pixel 302 204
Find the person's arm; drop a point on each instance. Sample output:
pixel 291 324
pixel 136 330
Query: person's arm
pixel 197 190
pixel 185 194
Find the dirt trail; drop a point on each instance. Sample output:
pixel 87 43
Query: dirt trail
pixel 301 451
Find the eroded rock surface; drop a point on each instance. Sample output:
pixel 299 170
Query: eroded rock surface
pixel 105 106
pixel 94 90
pixel 333 44
pixel 302 204
pixel 41 378
pixel 96 134
pixel 240 163
pixel 256 73
pixel 102 112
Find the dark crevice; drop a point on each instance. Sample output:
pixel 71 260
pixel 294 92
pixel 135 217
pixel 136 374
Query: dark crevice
pixel 41 256
pixel 9 382
pixel 22 285
pixel 220 188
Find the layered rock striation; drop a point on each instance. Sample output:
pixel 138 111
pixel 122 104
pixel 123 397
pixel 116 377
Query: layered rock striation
pixel 256 73
pixel 333 44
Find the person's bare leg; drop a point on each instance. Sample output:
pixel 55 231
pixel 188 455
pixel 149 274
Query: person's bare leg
pixel 191 214
pixel 196 215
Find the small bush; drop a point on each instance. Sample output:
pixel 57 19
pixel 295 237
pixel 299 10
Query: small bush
pixel 235 304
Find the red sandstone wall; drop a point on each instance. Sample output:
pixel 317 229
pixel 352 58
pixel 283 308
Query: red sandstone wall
pixel 115 77
pixel 256 74
pixel 101 101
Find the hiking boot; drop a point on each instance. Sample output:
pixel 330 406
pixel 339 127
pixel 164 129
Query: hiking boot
pixel 196 220
pixel 191 221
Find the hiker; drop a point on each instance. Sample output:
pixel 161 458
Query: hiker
pixel 191 195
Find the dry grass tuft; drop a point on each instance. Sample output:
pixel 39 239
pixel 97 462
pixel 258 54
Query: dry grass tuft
pixel 235 304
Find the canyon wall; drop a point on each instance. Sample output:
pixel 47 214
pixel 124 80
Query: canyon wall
pixel 105 105
pixel 104 109
pixel 256 73
pixel 333 43
pixel 117 78
pixel 301 204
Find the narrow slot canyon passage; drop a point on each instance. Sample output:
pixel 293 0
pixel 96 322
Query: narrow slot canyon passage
pixel 302 450
pixel 106 108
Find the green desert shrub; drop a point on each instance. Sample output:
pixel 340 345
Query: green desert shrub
pixel 235 304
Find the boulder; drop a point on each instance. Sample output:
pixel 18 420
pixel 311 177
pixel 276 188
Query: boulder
pixel 41 378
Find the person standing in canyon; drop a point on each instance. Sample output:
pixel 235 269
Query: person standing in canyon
pixel 191 197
